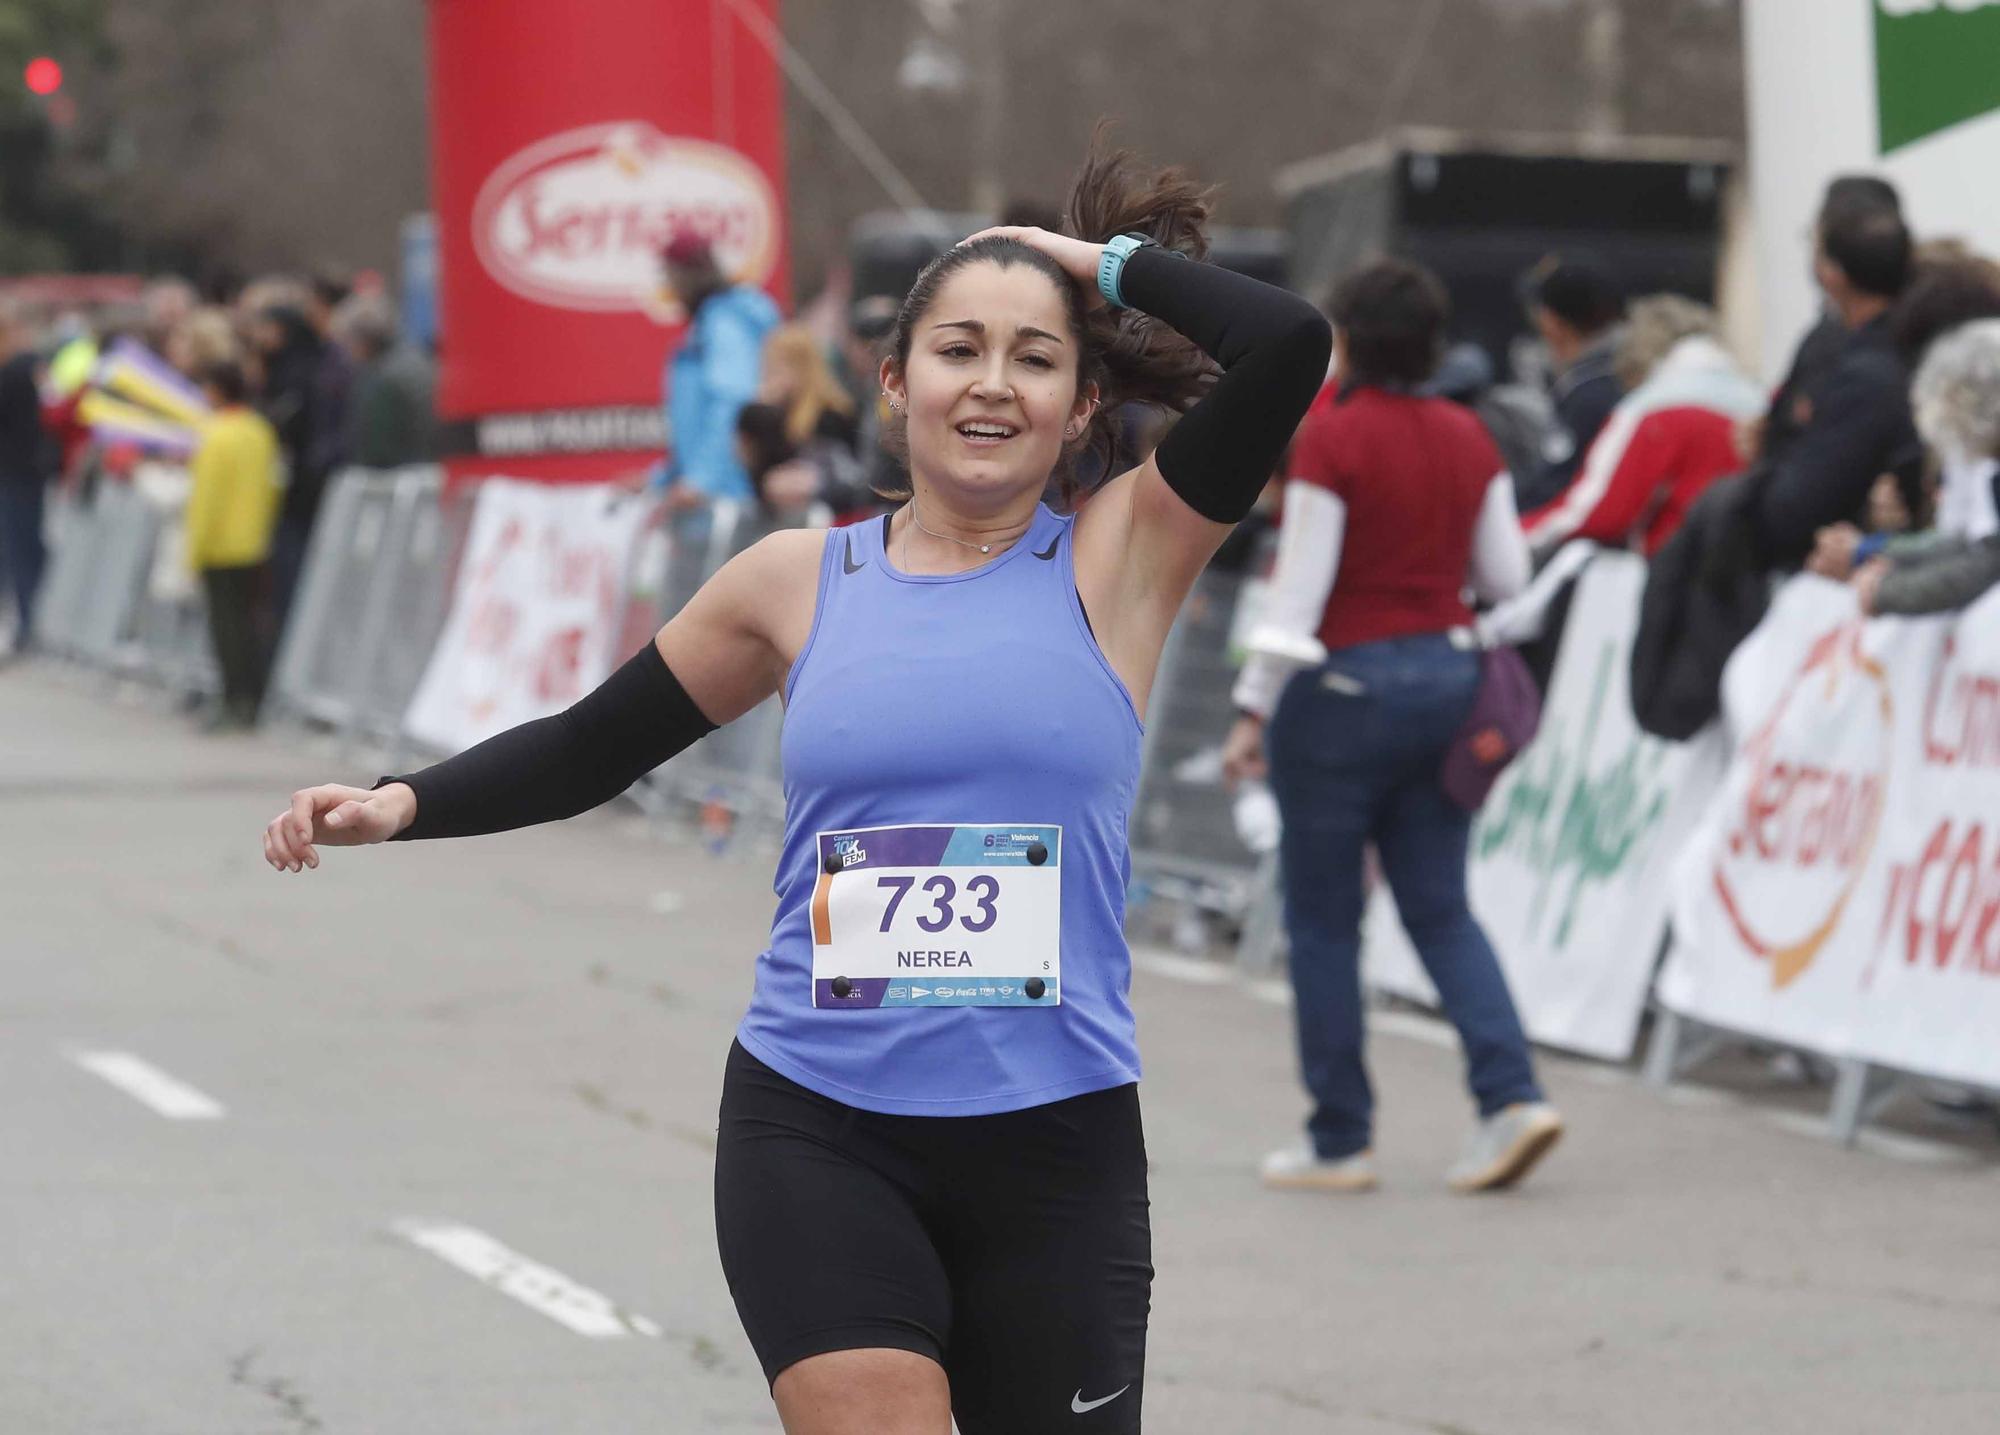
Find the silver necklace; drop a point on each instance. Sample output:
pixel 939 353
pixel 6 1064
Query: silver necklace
pixel 981 547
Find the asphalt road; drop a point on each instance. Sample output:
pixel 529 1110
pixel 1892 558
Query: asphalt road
pixel 454 1171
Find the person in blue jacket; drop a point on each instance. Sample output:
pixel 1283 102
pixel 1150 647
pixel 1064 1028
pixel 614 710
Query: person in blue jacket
pixel 709 378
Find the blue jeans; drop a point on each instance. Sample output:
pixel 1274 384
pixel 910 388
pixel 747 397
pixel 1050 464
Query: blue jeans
pixel 1355 746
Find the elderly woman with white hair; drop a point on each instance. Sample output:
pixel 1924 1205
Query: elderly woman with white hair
pixel 1956 400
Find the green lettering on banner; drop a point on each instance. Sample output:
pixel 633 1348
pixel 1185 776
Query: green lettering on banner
pixel 1937 64
pixel 1569 824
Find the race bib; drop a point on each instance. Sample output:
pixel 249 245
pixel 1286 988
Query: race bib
pixel 938 916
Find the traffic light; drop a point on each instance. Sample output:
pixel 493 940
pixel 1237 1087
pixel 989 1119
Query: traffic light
pixel 43 75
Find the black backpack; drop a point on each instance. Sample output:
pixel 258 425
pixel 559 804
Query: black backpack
pixel 1706 590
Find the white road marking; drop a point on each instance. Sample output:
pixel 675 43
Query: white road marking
pixel 536 1286
pixel 145 1082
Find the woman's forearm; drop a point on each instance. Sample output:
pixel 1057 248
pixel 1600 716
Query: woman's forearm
pixel 556 767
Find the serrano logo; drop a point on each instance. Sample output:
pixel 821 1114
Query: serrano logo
pixel 1810 813
pixel 577 220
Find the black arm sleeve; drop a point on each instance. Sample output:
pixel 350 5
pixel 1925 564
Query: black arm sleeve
pixel 1272 346
pixel 556 767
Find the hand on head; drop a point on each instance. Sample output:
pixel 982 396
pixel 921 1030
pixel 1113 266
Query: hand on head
pixel 1078 259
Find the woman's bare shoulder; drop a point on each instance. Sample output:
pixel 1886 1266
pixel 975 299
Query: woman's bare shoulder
pixel 790 554
pixel 778 575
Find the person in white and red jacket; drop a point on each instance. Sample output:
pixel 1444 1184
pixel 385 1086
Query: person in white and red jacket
pixel 1671 436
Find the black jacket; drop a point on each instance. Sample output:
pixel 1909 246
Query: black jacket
pixel 1706 589
pixel 290 373
pixel 1812 361
pixel 1856 427
pixel 23 443
pixel 1585 394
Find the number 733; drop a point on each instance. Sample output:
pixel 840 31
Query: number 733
pixel 943 892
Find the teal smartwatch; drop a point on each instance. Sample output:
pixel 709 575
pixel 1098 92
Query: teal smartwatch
pixel 1112 264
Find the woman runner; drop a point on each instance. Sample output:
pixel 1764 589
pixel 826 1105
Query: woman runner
pixel 930 1174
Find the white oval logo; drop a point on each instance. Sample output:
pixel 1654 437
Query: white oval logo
pixel 578 220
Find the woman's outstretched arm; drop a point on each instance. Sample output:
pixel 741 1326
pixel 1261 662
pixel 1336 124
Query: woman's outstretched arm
pixel 719 657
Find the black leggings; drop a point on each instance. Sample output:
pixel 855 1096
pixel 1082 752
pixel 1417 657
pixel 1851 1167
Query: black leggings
pixel 232 627
pixel 1015 1250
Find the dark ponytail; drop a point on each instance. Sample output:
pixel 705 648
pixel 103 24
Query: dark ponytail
pixel 1141 360
pixel 1131 357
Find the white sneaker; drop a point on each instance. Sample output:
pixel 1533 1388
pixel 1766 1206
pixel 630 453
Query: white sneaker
pixel 1298 1168
pixel 1505 1146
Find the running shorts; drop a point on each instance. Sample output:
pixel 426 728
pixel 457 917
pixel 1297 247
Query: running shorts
pixel 1013 1249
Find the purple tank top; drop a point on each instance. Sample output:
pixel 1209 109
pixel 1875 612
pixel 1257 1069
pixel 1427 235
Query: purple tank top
pixel 960 763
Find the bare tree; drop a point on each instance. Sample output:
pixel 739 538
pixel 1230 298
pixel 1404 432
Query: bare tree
pixel 282 132
pixel 260 134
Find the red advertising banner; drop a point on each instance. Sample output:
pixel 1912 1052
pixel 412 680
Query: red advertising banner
pixel 568 145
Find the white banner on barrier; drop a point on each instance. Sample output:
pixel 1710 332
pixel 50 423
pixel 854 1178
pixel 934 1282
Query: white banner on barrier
pixel 1843 892
pixel 1571 854
pixel 536 613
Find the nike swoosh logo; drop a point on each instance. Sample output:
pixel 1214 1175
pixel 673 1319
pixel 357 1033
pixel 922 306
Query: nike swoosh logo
pixel 1077 1402
pixel 847 559
pixel 1045 558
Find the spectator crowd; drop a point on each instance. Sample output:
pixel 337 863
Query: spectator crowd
pixel 1872 462
pixel 264 393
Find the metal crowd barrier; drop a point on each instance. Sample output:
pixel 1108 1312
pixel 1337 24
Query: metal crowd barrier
pixel 98 574
pixel 112 599
pixel 74 525
pixel 732 778
pixel 1184 842
pixel 170 645
pixel 371 600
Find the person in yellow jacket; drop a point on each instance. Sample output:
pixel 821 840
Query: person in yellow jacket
pixel 230 517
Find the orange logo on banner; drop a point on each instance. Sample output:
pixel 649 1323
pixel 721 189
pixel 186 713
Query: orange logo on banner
pixel 578 220
pixel 1808 821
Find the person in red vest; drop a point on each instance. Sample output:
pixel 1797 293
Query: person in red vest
pixel 1364 668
